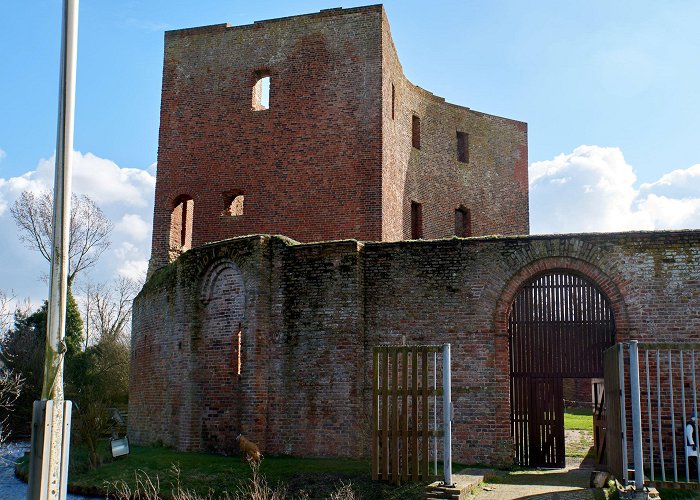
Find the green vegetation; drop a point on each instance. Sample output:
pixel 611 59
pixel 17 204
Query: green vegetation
pixel 578 419
pixel 204 474
pixel 578 426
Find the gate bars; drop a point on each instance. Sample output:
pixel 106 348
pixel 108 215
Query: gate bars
pixel 662 398
pixel 401 413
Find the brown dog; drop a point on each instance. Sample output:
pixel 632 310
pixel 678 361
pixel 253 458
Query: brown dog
pixel 249 449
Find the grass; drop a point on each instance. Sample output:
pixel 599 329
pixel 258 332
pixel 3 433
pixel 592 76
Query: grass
pixel 578 444
pixel 578 419
pixel 204 473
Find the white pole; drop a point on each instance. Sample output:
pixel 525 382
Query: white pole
pixel 635 397
pixel 53 484
pixel 447 413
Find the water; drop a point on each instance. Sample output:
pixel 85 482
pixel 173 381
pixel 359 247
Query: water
pixel 12 488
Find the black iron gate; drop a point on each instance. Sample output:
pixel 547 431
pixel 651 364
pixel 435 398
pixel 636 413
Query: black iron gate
pixel 559 326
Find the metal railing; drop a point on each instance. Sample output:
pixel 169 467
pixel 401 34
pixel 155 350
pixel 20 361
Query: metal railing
pixel 658 383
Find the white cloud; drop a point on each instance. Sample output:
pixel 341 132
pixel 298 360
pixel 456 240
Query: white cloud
pixel 678 183
pixel 134 226
pixel 133 269
pixel 592 189
pixel 2 154
pixel 124 194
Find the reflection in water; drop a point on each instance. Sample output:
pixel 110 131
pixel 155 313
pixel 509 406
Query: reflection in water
pixel 12 488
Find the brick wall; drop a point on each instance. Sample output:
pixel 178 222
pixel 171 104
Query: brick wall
pixel 309 166
pixel 312 313
pixel 331 158
pixel 492 184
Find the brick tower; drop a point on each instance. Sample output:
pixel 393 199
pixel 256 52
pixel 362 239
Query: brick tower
pixel 306 126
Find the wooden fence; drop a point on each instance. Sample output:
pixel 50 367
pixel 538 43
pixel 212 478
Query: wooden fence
pixel 402 405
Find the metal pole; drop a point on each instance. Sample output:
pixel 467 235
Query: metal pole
pixel 447 412
pixel 695 409
pixel 658 414
pixel 649 419
pixel 636 403
pixel 623 412
pixel 673 418
pixel 53 483
pixel 682 374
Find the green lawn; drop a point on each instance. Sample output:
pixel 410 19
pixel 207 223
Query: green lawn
pixel 203 473
pixel 578 419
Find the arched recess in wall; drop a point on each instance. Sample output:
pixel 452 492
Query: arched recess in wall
pixel 181 223
pixel 555 319
pixel 569 264
pixel 220 356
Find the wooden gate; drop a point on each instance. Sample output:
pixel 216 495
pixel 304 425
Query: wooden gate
pixel 559 326
pixel 599 422
pixel 403 404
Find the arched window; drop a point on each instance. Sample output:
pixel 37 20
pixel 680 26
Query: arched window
pixel 463 222
pixel 181 223
pixel 233 204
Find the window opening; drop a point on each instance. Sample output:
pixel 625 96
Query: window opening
pixel 463 222
pixel 181 223
pixel 233 204
pixel 238 361
pixel 415 132
pixel 393 100
pixel 416 220
pixel 463 147
pixel 261 93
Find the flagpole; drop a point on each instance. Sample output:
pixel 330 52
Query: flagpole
pixel 52 439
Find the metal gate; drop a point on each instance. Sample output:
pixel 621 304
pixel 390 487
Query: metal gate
pixel 559 326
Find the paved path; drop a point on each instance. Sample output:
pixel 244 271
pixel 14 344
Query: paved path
pixel 570 483
pixel 550 484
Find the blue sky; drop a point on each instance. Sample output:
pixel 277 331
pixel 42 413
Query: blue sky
pixel 609 90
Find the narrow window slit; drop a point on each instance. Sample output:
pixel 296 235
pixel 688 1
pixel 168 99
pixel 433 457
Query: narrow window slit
pixel 261 93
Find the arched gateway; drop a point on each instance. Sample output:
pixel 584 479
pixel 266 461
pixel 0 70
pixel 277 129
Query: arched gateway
pixel 558 327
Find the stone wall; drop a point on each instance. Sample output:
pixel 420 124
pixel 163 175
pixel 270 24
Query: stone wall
pixel 312 313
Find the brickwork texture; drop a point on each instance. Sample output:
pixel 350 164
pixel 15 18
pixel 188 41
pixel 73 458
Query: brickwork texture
pixel 309 315
pixel 332 156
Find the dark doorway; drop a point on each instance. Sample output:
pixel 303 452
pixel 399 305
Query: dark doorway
pixel 559 325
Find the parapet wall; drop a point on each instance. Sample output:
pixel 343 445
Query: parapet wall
pixel 309 315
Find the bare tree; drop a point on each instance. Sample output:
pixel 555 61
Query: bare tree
pixel 108 309
pixel 6 313
pixel 89 228
pixel 10 388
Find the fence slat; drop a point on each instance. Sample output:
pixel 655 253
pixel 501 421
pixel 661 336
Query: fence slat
pixel 649 419
pixel 414 409
pixel 682 375
pixel 673 420
pixel 385 415
pixel 404 414
pixel 425 471
pixel 394 433
pixel 375 415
